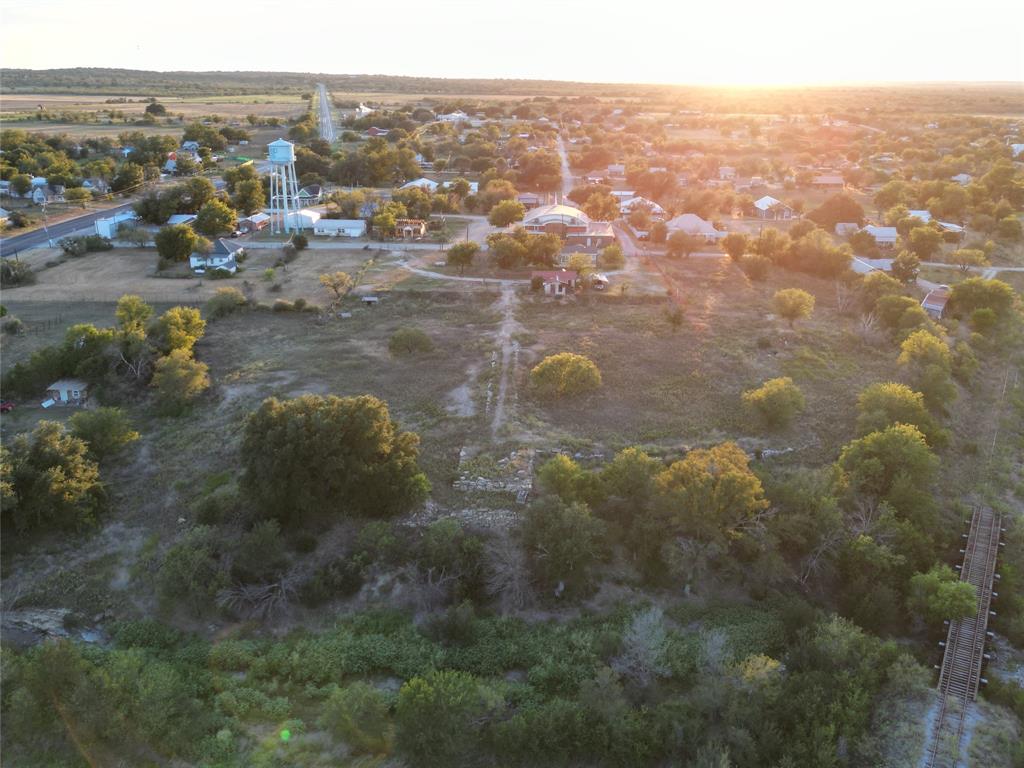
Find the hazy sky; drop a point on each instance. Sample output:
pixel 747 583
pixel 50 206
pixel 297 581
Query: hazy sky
pixel 673 41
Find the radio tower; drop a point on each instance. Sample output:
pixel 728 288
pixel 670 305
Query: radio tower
pixel 284 188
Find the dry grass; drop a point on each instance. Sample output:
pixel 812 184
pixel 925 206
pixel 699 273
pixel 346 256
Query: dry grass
pixel 670 387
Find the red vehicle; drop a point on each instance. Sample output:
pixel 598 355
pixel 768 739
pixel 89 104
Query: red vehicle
pixel 6 406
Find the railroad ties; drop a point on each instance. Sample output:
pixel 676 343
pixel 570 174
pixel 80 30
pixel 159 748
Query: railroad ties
pixel 960 674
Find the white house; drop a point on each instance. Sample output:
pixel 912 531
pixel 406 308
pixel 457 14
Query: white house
pixel 635 203
pixel 304 219
pixel 224 256
pixel 190 146
pixel 692 224
pixel 1017 149
pixel 311 195
pixel 556 282
pixel 108 227
pixel 453 117
pixel 68 392
pixel 181 218
pixel 924 216
pixel 427 185
pixel 556 218
pixel 770 208
pixel 963 179
pixel 340 228
pixel 474 186
pixel 885 237
pixel 726 173
pixel 362 110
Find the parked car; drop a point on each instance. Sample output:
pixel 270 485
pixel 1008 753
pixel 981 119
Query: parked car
pixel 6 406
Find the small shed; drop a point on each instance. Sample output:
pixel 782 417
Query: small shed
pixel 253 223
pixel 935 302
pixel 68 392
pixel 370 301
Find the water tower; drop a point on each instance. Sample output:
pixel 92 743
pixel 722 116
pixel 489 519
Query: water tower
pixel 284 187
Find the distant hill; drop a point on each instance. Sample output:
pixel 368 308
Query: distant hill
pixel 118 82
pixel 867 100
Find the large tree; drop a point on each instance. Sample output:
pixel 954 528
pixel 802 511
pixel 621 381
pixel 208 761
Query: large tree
pixel 886 403
pixel 838 208
pixel 876 463
pixel 506 212
pixel 176 242
pixel 563 542
pixel 683 244
pixel 178 328
pixel 323 456
pixel 710 494
pixel 461 255
pixel 215 218
pixel 179 380
pixel 50 480
pixel 565 374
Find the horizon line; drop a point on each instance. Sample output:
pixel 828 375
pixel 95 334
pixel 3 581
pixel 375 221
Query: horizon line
pixel 782 84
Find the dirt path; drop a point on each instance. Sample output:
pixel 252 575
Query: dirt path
pixel 509 354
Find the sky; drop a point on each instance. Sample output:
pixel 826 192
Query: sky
pixel 739 42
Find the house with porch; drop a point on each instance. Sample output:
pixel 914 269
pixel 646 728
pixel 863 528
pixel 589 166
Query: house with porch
pixel 770 208
pixel 223 256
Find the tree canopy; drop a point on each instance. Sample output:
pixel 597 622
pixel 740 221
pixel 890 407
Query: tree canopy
pixel 329 456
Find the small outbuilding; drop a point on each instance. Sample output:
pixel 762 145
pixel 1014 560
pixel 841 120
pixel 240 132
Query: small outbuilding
pixel 935 302
pixel 68 392
pixel 253 223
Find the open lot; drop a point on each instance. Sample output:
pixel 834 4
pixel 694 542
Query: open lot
pixel 264 105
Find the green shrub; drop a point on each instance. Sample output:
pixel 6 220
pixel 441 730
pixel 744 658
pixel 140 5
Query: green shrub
pixel 105 430
pixel 565 374
pixel 340 578
pixel 283 305
pixel 260 556
pixel 14 272
pixel 409 341
pixel 358 715
pixel 755 266
pixel 776 402
pixel 224 302
pixel 191 572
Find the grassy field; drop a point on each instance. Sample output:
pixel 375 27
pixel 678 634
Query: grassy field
pixel 664 387
pixel 265 105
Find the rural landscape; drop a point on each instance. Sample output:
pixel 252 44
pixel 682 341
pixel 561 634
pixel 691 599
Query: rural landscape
pixel 406 421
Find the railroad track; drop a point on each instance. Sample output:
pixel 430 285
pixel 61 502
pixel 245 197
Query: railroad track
pixel 960 674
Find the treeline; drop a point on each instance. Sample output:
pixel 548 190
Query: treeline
pixel 753 687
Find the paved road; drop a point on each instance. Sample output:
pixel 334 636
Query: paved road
pixel 566 173
pixel 9 246
pixel 326 123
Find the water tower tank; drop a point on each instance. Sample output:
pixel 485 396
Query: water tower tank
pixel 281 151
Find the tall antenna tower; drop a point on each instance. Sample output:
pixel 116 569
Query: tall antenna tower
pixel 284 187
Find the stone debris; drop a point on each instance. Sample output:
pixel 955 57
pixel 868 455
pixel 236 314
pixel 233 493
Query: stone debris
pixel 512 474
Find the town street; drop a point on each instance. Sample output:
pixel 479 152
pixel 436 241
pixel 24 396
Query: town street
pixel 326 123
pixel 10 246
